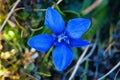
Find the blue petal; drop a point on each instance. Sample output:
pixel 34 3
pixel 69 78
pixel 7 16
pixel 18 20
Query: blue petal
pixel 79 43
pixel 62 57
pixel 77 27
pixel 41 42
pixel 54 21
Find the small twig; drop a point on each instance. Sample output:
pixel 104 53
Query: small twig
pixel 92 7
pixel 90 53
pixel 36 29
pixel 84 59
pixel 108 48
pixel 116 74
pixel 58 2
pixel 96 73
pixel 9 14
pixel 22 8
pixel 31 76
pixel 78 63
pixel 117 65
pixel 39 10
pixel 93 48
pixel 17 9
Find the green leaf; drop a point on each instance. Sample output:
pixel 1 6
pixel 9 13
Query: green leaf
pixel 71 14
pixel 44 74
pixel 86 4
pixel 59 10
pixel 10 34
pixel 75 53
pixel 46 30
pixel 30 67
pixel 99 18
pixel 25 15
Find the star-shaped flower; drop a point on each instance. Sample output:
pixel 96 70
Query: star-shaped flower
pixel 64 38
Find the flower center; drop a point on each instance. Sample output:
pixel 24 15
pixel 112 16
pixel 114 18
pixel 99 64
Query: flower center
pixel 62 38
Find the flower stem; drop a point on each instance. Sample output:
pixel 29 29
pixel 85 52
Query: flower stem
pixel 47 54
pixel 9 14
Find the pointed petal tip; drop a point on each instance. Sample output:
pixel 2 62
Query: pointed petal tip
pixel 77 27
pixel 62 57
pixel 79 43
pixel 41 43
pixel 54 21
pixel 88 21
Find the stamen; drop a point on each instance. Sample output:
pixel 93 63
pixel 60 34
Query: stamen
pixel 64 38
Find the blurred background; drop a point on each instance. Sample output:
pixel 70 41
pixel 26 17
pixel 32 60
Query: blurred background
pixel 19 62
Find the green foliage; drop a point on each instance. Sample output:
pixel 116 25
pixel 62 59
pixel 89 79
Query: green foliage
pixel 71 14
pixel 99 18
pixel 86 4
pixel 30 67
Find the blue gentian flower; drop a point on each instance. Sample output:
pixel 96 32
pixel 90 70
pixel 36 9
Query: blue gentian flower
pixel 64 38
